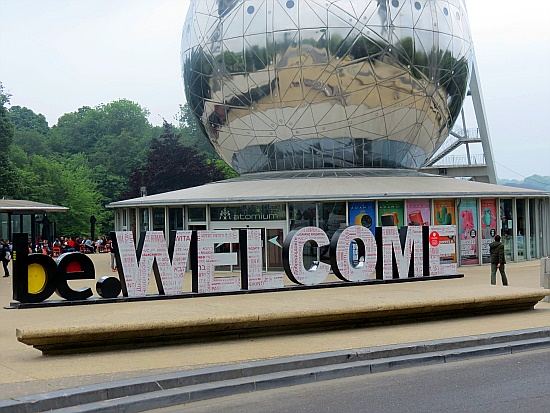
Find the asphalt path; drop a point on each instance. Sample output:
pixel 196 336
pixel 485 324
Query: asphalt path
pixel 503 384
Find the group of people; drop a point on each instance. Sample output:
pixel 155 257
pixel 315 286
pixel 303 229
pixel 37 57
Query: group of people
pixel 70 244
pixel 83 244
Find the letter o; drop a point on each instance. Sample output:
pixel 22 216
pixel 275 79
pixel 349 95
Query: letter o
pixel 340 254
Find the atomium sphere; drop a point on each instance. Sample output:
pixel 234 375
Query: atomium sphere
pixel 310 84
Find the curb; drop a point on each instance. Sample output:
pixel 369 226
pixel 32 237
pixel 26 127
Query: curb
pixel 152 392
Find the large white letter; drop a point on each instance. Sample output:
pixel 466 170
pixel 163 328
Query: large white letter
pixel 207 260
pixel 135 276
pixel 341 262
pixel 256 278
pixel 293 256
pixel 391 245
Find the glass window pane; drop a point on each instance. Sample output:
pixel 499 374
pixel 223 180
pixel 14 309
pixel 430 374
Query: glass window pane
pixel 332 217
pixel 533 229
pixel 197 214
pixel 144 219
pixel 302 214
pixel 4 227
pixel 507 228
pixel 520 213
pixel 158 219
pixel 175 218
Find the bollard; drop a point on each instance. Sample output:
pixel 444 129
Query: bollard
pixel 545 276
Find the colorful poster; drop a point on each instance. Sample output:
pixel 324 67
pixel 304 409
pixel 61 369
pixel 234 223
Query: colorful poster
pixel 418 212
pixel 391 213
pixel 442 250
pixel 363 214
pixel 467 231
pixel 444 214
pixel 488 227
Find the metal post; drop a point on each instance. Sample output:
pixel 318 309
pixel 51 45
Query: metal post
pixel 479 109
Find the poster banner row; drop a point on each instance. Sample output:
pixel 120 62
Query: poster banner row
pixel 418 212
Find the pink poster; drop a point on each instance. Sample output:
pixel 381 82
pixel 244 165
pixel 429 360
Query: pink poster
pixel 418 212
pixel 488 226
pixel 467 231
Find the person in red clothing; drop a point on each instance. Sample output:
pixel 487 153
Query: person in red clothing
pixel 70 246
pixel 77 244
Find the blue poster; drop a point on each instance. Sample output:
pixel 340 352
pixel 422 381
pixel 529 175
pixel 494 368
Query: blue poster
pixel 363 214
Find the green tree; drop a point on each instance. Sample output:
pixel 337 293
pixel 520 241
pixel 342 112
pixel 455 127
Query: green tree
pixel 86 129
pixel 31 131
pixel 78 190
pixel 114 137
pixel 68 183
pixel 25 119
pixel 193 135
pixel 225 169
pixel 8 176
pixel 75 132
pixel 171 166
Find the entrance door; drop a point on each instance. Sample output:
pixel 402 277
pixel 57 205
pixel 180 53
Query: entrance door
pixel 274 249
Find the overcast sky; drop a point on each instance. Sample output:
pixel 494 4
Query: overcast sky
pixel 59 55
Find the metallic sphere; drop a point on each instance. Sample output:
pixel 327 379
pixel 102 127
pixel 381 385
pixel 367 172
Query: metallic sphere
pixel 309 84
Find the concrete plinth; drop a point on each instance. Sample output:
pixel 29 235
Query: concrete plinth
pixel 545 276
pixel 205 319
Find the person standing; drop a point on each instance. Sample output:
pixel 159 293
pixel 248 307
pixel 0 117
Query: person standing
pixel 113 256
pixel 498 260
pixel 5 257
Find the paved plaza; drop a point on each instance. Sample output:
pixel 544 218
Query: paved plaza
pixel 25 370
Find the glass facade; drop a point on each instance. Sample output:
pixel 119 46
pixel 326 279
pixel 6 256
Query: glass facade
pixel 520 229
pixel 302 214
pixel 4 226
pixel 507 227
pixel 144 219
pixel 21 223
pixel 332 217
pixel 520 222
pixel 533 238
pixel 158 219
pixel 196 214
pixel 175 219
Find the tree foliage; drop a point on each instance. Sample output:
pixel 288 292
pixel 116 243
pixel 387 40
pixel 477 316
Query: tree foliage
pixel 97 155
pixel 7 171
pixel 25 119
pixel 170 166
pixel 193 134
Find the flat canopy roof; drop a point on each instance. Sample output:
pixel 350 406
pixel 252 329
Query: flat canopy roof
pixel 21 206
pixel 329 185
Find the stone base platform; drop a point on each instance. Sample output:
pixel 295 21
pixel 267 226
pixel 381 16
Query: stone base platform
pixel 144 324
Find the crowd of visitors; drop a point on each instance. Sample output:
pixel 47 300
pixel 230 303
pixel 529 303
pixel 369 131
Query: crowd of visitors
pixel 69 244
pixel 60 246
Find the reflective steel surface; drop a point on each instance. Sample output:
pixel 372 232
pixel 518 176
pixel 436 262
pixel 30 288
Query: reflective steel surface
pixel 308 84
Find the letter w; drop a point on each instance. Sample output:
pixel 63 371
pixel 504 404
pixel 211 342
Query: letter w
pixel 152 254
